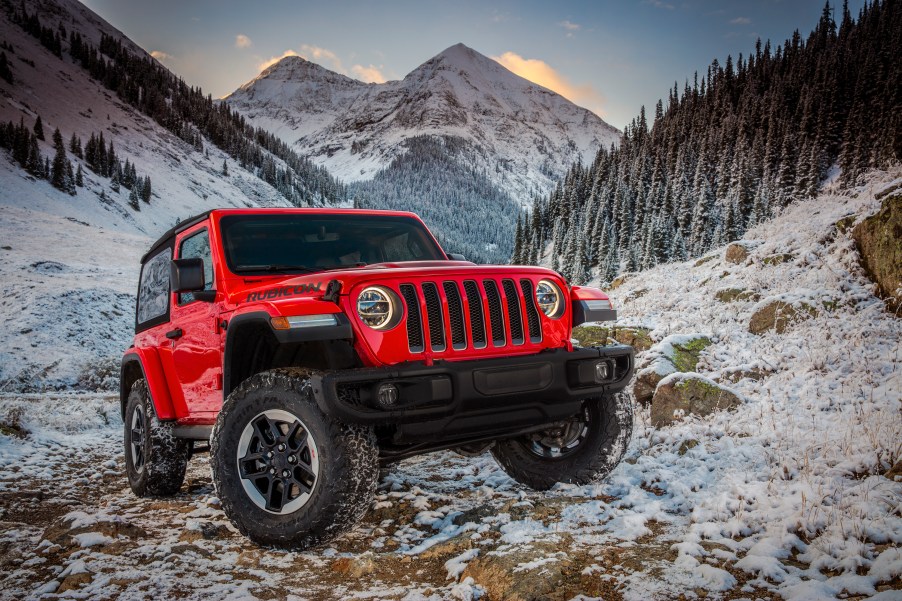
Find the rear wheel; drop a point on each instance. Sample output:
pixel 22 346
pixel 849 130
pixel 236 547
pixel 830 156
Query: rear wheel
pixel 581 450
pixel 155 460
pixel 287 475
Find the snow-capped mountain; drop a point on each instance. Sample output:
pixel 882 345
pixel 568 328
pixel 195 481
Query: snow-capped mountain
pixel 523 136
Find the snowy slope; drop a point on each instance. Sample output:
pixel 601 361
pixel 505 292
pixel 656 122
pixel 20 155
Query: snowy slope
pixel 521 134
pixel 93 245
pixel 782 498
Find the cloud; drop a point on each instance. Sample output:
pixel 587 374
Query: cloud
pixel 569 26
pixel 161 56
pixel 322 55
pixel 274 59
pixel 242 41
pixel 370 74
pixel 540 72
pixel 741 21
pixel 659 4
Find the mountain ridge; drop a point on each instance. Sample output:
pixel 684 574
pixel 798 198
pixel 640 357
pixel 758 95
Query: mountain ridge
pixel 524 136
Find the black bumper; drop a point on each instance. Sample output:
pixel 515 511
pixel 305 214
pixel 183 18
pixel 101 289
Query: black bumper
pixel 465 399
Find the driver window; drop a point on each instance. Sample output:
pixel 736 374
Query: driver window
pixel 197 246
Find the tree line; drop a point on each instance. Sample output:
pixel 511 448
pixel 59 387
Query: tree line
pixel 730 150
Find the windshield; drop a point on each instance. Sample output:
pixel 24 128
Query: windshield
pixel 306 243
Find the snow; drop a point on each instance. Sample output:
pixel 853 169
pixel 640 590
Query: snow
pixel 520 132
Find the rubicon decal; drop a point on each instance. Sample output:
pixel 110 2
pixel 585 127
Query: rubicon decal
pixel 283 291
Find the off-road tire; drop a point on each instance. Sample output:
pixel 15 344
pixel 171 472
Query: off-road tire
pixel 347 474
pixel 161 468
pixel 610 426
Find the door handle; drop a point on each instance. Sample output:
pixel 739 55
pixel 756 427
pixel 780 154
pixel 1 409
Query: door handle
pixel 174 334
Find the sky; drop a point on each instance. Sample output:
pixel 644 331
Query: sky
pixel 610 56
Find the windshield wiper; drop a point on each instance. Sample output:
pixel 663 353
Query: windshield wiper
pixel 277 268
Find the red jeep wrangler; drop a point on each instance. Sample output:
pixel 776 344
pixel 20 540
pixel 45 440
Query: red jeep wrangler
pixel 311 346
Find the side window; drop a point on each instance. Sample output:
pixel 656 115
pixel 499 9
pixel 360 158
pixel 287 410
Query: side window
pixel 197 246
pixel 153 290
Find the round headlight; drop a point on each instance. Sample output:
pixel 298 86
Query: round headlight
pixel 375 307
pixel 549 298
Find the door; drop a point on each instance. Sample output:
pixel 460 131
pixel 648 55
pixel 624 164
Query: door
pixel 196 336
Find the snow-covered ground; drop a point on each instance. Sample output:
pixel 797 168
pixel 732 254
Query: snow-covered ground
pixel 784 497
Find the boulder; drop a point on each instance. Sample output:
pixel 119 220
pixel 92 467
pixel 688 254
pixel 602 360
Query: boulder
pixel 591 335
pixel 736 253
pixel 704 260
pixel 620 280
pixel 778 315
pixel 689 394
pixel 638 338
pixel 879 241
pixel 777 258
pixel 676 353
pixel 729 295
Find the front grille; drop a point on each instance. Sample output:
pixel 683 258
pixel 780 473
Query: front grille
pixel 456 316
pixel 477 322
pixel 414 323
pixel 497 310
pixel 495 316
pixel 434 316
pixel 514 317
pixel 532 312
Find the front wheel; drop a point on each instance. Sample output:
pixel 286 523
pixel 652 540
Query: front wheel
pixel 287 475
pixel 581 450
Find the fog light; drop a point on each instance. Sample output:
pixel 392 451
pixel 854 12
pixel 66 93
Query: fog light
pixel 387 395
pixel 602 371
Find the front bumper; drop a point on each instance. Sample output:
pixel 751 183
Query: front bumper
pixel 467 398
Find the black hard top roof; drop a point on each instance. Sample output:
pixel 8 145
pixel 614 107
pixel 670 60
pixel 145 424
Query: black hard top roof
pixel 181 226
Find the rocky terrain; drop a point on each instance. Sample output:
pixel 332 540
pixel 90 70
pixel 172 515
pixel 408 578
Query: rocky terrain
pixel 765 463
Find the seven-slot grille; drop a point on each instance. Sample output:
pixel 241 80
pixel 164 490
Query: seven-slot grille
pixel 500 312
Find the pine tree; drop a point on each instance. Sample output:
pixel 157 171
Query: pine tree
pixel 69 182
pixel 145 190
pixel 133 200
pixel 58 170
pixel 79 177
pixel 5 72
pixel 35 163
pixel 39 128
pixel 225 168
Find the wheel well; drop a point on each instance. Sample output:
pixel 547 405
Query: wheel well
pixel 252 347
pixel 131 373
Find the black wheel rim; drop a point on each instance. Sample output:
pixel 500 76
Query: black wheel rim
pixel 278 461
pixel 561 440
pixel 136 438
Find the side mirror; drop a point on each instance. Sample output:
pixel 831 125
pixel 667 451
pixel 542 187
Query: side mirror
pixel 456 257
pixel 187 275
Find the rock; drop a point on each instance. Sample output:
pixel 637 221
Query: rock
pixel 637 338
pixel 676 353
pixel 506 576
pixel 74 582
pixel 845 224
pixel 755 373
pixel 686 351
pixel 356 567
pixel 685 394
pixel 620 280
pixel 895 472
pixel 879 241
pixel 736 253
pixel 704 260
pixel 778 258
pixel 646 382
pixel 591 335
pixel 686 446
pixel 729 295
pixel 778 315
